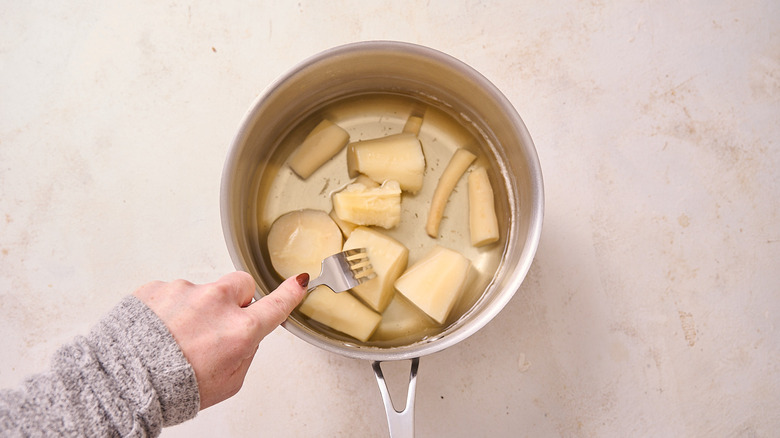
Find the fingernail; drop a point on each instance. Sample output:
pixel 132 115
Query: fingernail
pixel 303 279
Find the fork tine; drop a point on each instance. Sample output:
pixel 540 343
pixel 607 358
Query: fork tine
pixel 360 264
pixel 363 272
pixel 344 270
pixel 355 252
pixel 358 261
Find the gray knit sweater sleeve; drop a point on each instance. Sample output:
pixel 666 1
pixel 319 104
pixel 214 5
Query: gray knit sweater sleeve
pixel 127 378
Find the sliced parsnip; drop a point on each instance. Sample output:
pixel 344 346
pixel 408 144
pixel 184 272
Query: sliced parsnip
pixel 366 181
pixel 448 130
pixel 402 318
pixel 397 157
pixel 341 312
pixel 388 258
pixel 458 164
pixel 345 227
pixel 322 143
pixel 483 224
pixel 298 241
pixel 380 206
pixel 413 124
pixel 435 282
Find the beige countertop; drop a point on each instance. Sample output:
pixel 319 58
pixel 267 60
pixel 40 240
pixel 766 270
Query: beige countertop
pixel 653 305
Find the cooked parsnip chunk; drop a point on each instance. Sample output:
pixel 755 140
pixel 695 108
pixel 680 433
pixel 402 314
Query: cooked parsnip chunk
pixel 388 258
pixel 366 181
pixel 380 206
pixel 298 241
pixel 346 227
pixel 458 164
pixel 435 282
pixel 341 312
pixel 402 318
pixel 322 143
pixel 483 225
pixel 413 124
pixel 397 157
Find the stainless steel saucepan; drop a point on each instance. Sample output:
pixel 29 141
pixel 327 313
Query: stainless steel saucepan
pixel 254 180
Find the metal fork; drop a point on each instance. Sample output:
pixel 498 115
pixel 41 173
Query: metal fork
pixel 344 270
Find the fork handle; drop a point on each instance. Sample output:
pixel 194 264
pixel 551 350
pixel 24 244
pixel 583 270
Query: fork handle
pixel 319 281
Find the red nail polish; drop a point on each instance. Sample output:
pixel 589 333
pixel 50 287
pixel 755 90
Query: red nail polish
pixel 303 279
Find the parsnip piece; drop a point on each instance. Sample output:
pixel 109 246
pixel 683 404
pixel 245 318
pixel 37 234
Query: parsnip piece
pixel 388 258
pixel 483 224
pixel 458 164
pixel 413 124
pixel 366 181
pixel 448 130
pixel 341 312
pixel 397 157
pixel 402 318
pixel 380 206
pixel 298 241
pixel 346 227
pixel 435 282
pixel 322 143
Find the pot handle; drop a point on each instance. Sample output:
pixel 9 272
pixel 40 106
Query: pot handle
pixel 401 423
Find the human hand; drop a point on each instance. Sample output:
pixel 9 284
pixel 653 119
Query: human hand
pixel 216 328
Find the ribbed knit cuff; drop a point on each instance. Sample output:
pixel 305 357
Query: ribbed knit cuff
pixel 146 337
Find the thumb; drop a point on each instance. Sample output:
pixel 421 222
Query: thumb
pixel 272 309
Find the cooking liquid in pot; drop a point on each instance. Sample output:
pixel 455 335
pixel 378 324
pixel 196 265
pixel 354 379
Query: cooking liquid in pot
pixel 378 115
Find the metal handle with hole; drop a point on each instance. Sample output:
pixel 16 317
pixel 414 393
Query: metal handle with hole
pixel 401 423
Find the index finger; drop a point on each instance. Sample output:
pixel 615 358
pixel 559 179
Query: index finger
pixel 272 309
